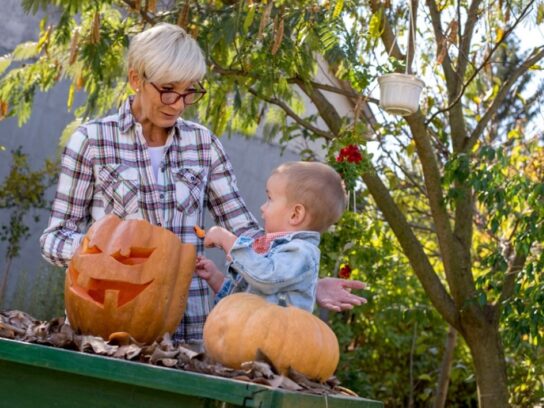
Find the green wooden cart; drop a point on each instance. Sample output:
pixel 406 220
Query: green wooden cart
pixel 39 376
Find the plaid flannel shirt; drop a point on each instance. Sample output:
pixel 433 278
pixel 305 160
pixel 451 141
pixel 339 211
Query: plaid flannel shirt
pixel 106 169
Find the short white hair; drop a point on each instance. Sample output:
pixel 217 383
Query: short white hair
pixel 166 53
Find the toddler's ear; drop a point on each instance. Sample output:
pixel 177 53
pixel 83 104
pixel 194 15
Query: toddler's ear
pixel 298 215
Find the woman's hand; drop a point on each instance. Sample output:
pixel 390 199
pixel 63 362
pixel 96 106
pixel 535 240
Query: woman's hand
pixel 335 294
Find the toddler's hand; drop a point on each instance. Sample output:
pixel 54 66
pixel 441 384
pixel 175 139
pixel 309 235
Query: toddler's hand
pixel 207 270
pixel 219 237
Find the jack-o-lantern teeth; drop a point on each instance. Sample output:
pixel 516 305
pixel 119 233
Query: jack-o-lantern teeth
pixel 135 256
pixel 87 249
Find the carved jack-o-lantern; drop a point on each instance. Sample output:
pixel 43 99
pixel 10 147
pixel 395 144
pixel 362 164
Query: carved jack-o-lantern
pixel 128 276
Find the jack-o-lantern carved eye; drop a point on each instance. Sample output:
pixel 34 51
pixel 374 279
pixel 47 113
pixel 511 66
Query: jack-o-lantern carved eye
pixel 137 256
pixel 90 249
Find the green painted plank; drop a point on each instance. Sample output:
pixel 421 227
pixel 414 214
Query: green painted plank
pixel 121 380
pixel 24 386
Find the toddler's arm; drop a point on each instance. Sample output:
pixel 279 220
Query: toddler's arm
pixel 207 270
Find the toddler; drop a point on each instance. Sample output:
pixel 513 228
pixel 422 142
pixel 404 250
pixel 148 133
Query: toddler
pixel 303 200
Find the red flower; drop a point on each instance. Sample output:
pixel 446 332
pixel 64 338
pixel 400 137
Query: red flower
pixel 344 272
pixel 350 153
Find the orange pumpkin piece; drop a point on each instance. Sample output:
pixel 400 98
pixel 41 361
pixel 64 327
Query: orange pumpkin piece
pixel 242 323
pixel 200 233
pixel 128 276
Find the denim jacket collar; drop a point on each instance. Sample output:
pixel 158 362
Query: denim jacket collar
pixel 312 236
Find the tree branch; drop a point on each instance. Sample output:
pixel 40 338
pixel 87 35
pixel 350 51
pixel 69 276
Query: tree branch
pixel 326 109
pixel 466 38
pixel 388 36
pixel 456 96
pixel 515 266
pixel 412 248
pixel 441 41
pixel 537 55
pixel 460 284
pixel 289 112
pixel 341 91
pixel 143 13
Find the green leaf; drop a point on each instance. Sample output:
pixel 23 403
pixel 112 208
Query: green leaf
pixel 540 13
pixel 69 131
pixel 25 50
pixel 249 17
pixel 425 377
pixel 5 62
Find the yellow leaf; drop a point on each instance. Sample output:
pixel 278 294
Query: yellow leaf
pixel 500 34
pixel 338 8
pixel 411 148
pixel 70 96
pixel 375 26
pixel 514 134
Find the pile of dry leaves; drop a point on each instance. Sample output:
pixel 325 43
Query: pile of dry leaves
pixel 21 326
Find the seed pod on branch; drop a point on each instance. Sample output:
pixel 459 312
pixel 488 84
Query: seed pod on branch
pixel 183 16
pixel 152 6
pixel 80 82
pixel 452 31
pixel 3 109
pixel 278 34
pixel 265 18
pixel 95 29
pixel 74 46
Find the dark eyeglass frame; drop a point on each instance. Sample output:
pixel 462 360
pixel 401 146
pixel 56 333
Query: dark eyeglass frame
pixel 198 94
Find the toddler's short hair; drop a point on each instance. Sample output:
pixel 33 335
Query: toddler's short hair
pixel 319 188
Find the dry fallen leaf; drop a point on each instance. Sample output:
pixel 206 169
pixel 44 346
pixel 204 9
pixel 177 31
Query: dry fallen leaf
pixel 21 326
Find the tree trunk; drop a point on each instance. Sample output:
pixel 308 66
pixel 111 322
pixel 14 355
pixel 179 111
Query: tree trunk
pixel 445 369
pixel 488 356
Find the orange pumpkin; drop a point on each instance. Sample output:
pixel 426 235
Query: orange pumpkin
pixel 242 323
pixel 128 276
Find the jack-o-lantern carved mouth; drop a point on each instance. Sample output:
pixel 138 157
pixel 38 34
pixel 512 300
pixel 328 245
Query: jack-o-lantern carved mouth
pixel 99 289
pixel 103 291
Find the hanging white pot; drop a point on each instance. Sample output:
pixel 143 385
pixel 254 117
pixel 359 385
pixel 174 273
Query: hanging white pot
pixel 399 93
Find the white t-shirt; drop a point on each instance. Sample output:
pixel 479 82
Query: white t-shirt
pixel 156 155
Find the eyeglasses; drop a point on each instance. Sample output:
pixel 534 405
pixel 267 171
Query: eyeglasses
pixel 169 97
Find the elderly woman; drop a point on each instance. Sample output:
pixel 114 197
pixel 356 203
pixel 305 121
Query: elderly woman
pixel 145 162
